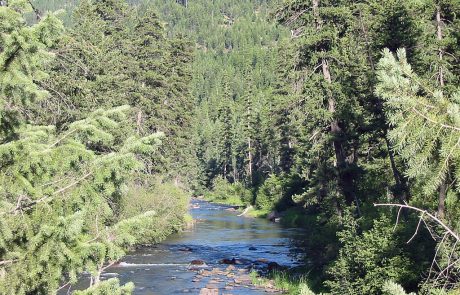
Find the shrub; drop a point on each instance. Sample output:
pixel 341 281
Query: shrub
pixel 229 193
pixel 390 288
pixel 276 192
pixel 366 261
pixel 167 204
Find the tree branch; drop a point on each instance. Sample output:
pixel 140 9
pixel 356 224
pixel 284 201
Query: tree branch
pixel 437 220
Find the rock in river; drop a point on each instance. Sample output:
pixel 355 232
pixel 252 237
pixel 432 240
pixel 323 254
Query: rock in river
pixel 207 291
pixel 228 261
pixel 197 262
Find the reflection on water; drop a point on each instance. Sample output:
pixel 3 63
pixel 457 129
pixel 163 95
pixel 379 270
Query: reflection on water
pixel 219 234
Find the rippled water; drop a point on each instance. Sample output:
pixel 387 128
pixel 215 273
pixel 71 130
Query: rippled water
pixel 218 234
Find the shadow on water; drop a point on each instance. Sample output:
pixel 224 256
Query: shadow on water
pixel 218 234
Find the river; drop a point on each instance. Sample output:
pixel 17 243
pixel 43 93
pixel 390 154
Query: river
pixel 219 234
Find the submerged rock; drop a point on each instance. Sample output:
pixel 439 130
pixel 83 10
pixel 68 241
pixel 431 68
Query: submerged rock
pixel 185 249
pixel 273 266
pixel 272 216
pixel 230 268
pixel 208 291
pixel 197 264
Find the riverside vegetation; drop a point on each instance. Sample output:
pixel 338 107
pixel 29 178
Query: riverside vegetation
pixel 112 113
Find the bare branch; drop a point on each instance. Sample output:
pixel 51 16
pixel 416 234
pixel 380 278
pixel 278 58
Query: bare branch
pixel 4 262
pixel 62 138
pixel 416 230
pixel 397 218
pixel 437 220
pixel 436 255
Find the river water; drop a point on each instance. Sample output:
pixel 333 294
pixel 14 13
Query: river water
pixel 218 234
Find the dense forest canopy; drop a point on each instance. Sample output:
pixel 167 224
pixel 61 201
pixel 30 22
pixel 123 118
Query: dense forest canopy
pixel 112 112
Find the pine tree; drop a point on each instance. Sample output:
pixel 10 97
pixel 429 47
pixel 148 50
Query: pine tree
pixel 436 59
pixel 424 120
pixel 22 58
pixel 60 190
pixel 322 25
pixel 225 132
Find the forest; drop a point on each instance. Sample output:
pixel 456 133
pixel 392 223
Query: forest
pixel 340 118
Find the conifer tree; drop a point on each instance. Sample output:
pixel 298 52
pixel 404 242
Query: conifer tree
pixel 323 25
pixel 60 190
pixel 424 120
pixel 436 59
pixel 225 130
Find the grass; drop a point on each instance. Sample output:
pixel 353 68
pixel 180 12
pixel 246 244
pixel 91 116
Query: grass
pixel 283 281
pixel 257 213
pixel 188 221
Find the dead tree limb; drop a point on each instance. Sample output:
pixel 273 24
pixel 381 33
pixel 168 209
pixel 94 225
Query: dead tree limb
pixel 424 212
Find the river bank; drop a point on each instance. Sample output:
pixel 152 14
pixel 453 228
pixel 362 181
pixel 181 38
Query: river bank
pixel 291 217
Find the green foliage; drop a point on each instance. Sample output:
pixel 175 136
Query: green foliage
pixel 63 188
pixel 312 121
pixel 290 283
pixel 377 257
pixel 229 193
pixel 116 54
pixel 60 196
pixel 275 192
pixel 424 121
pixel 22 58
pixel 109 287
pixel 391 288
pixel 163 205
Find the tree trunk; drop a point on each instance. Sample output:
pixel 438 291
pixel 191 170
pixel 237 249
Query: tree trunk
pixel 345 179
pixel 139 122
pixel 443 187
pixel 249 160
pixel 236 177
pixel 401 190
pixel 439 37
pixel 249 141
pixel 442 199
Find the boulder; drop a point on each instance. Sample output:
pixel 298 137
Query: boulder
pixel 273 215
pixel 197 262
pixel 228 261
pixel 273 266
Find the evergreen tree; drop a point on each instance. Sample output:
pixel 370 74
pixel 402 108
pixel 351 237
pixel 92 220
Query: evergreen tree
pixel 424 122
pixel 60 191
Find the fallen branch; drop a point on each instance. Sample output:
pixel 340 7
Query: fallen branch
pixel 444 271
pixel 424 212
pixel 245 211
